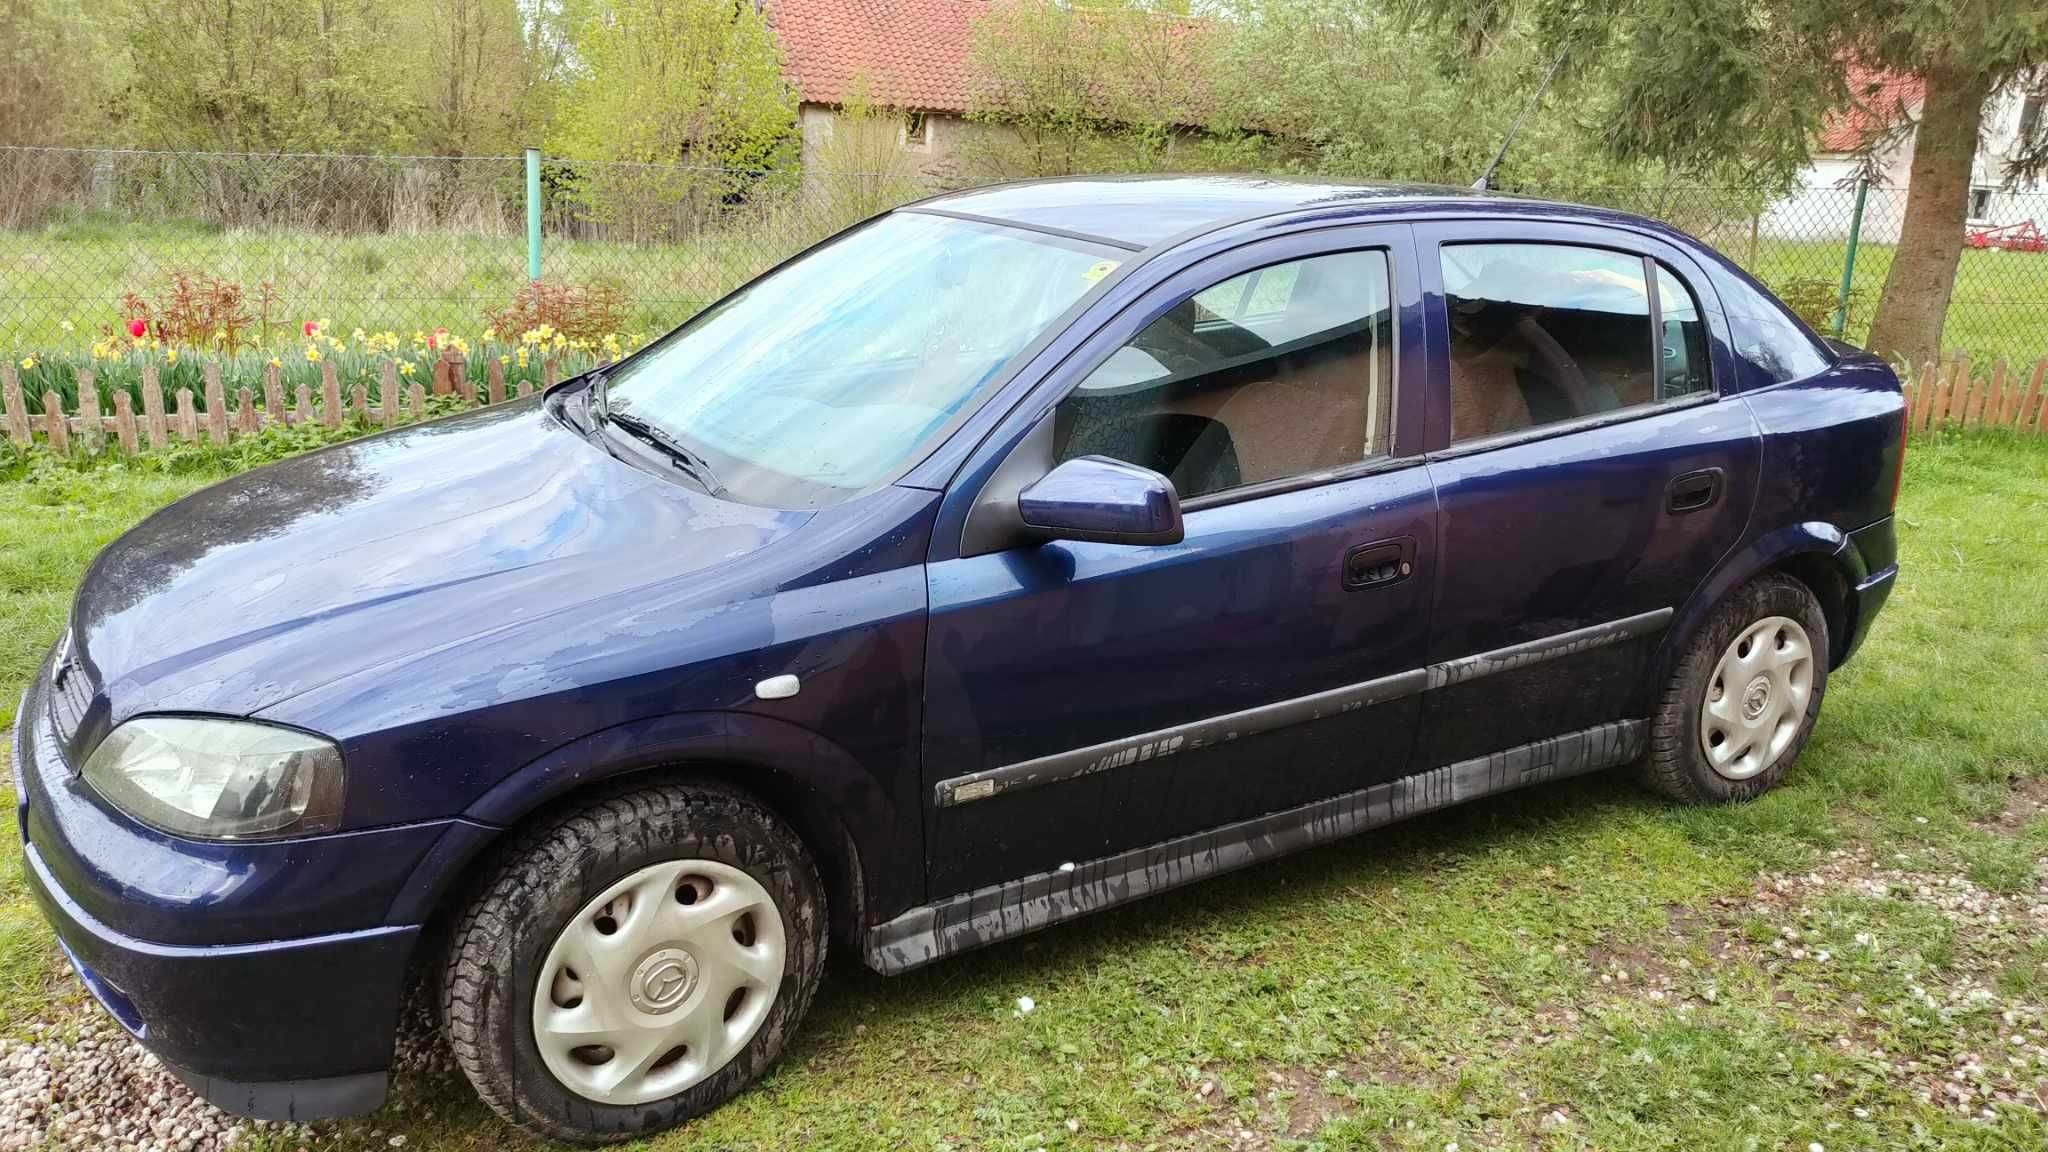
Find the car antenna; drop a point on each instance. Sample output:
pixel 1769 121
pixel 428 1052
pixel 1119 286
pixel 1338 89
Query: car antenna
pixel 1486 177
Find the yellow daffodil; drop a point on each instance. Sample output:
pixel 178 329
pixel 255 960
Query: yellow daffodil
pixel 28 361
pixel 276 363
pixel 174 354
pixel 490 334
pixel 522 355
pixel 358 336
pixel 312 353
pixel 505 359
pixel 530 336
pixel 405 367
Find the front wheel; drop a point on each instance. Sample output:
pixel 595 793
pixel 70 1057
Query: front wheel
pixel 635 963
pixel 1742 701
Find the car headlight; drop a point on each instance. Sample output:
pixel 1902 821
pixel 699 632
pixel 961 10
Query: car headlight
pixel 219 779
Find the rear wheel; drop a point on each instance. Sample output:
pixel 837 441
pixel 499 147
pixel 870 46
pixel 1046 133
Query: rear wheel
pixel 1743 700
pixel 635 963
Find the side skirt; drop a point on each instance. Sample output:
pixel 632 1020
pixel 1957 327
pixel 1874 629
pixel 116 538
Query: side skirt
pixel 1000 911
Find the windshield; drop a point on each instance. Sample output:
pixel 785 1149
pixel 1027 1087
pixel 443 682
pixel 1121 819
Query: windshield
pixel 836 370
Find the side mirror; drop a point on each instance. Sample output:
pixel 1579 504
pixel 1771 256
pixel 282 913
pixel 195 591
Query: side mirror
pixel 1105 501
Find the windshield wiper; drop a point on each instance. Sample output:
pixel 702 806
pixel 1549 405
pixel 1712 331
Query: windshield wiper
pixel 691 463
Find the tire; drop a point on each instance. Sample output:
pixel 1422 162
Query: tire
pixel 1687 739
pixel 539 913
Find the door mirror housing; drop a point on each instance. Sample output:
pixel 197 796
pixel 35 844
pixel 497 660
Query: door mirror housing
pixel 1105 501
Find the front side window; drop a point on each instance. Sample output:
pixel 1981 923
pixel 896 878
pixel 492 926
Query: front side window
pixel 834 371
pixel 1279 372
pixel 1542 333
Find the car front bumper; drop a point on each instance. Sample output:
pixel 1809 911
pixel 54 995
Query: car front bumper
pixel 207 953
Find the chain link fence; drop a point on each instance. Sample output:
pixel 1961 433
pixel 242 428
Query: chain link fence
pixel 409 244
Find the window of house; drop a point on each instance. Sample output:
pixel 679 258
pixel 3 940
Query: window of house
pixel 1279 372
pixel 917 131
pixel 1545 332
pixel 2030 118
pixel 1980 203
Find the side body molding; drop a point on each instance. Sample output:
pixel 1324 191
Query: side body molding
pixel 1128 750
pixel 1000 911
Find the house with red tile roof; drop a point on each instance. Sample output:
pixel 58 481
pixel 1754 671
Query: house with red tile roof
pixel 1881 121
pixel 909 56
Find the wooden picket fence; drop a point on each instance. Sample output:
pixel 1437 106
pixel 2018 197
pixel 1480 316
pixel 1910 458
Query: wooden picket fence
pixel 1948 394
pixel 93 431
pixel 1939 394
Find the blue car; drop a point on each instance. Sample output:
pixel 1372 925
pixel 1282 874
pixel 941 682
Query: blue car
pixel 1013 555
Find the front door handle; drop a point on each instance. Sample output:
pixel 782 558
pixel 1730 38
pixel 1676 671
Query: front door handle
pixel 1694 491
pixel 1379 563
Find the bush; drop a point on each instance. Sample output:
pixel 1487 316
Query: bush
pixel 585 314
pixel 1813 299
pixel 198 312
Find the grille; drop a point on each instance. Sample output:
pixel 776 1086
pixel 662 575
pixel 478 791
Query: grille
pixel 70 696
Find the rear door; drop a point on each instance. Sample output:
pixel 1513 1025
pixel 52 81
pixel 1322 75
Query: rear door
pixel 1083 699
pixel 1589 474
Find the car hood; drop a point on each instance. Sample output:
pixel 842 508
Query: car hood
pixel 368 553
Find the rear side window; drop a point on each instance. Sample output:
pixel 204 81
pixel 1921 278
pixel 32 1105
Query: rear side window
pixel 1686 366
pixel 1767 337
pixel 1542 333
pixel 1281 371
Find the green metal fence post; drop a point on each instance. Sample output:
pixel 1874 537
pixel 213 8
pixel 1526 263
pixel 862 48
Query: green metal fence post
pixel 1849 261
pixel 533 216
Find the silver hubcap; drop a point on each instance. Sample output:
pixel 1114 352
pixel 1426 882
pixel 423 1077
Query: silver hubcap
pixel 658 982
pixel 1757 698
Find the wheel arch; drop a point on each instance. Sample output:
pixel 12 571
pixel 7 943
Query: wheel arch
pixel 1815 553
pixel 834 805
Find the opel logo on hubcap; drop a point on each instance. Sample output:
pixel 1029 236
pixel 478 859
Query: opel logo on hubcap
pixel 663 980
pixel 1756 698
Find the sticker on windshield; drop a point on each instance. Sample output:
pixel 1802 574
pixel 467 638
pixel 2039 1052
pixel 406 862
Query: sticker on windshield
pixel 1099 269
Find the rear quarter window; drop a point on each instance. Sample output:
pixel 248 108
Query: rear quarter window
pixel 1771 345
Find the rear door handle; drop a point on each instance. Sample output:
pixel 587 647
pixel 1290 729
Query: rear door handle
pixel 1694 490
pixel 1379 563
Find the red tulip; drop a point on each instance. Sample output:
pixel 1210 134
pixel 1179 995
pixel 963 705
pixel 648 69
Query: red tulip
pixel 138 328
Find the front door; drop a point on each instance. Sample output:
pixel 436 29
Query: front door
pixel 1589 479
pixel 1083 699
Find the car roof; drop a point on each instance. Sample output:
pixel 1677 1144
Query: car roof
pixel 1140 211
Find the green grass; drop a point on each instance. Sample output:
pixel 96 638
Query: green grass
pixel 77 271
pixel 1581 950
pixel 2000 305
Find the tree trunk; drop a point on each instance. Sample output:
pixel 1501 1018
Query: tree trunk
pixel 1923 273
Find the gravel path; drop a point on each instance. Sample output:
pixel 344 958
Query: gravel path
pixel 82 1083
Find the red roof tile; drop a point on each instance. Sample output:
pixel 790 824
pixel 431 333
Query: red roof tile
pixel 911 53
pixel 1878 101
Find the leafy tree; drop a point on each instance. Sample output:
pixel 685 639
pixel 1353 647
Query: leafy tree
pixel 1697 82
pixel 46 98
pixel 270 75
pixel 1101 87
pixel 862 168
pixel 474 90
pixel 669 82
